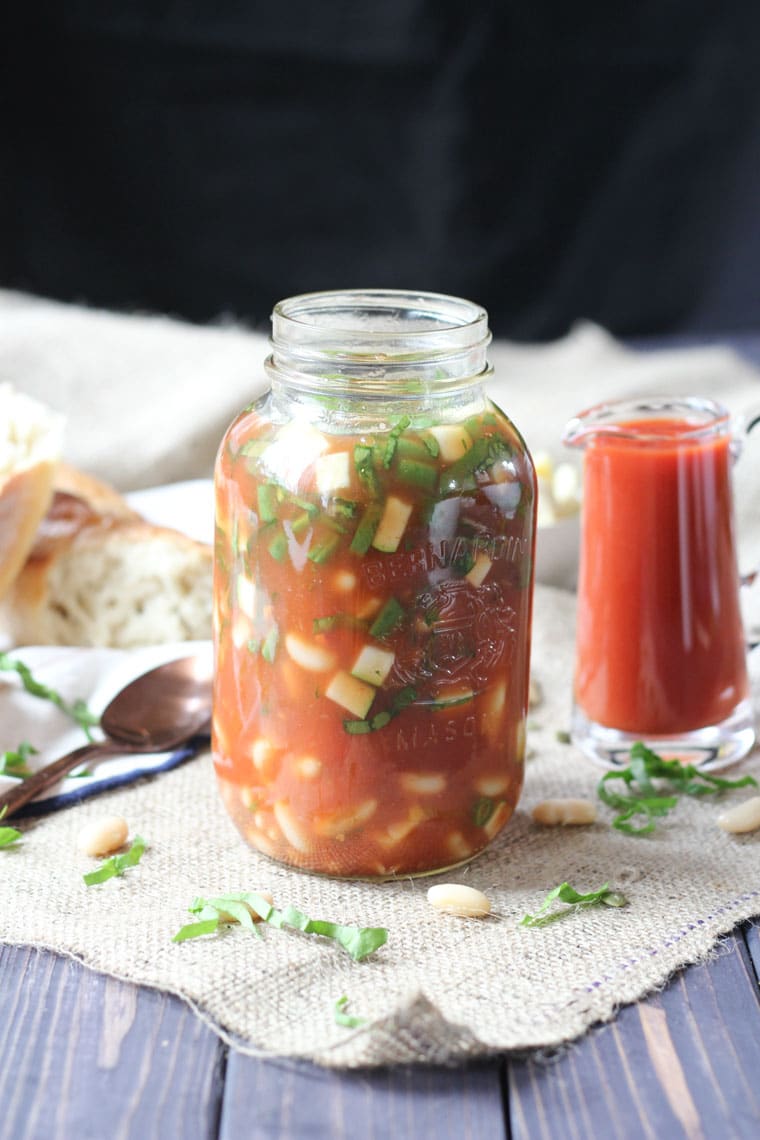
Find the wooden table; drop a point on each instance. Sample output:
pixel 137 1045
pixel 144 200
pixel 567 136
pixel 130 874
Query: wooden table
pixel 82 1055
pixel 87 1056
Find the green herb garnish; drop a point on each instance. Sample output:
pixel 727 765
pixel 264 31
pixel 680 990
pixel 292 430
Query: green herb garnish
pixel 321 551
pixel 350 1021
pixel 269 644
pixel 394 433
pixel 267 502
pixel 364 462
pixel 77 710
pixel 482 810
pixel 403 698
pixel 240 907
pixel 117 864
pixel 8 835
pixel 643 797
pixel 365 531
pixel 15 763
pixel 567 894
pixel 388 618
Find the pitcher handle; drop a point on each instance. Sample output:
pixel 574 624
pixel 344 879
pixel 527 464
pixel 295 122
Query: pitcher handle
pixel 745 426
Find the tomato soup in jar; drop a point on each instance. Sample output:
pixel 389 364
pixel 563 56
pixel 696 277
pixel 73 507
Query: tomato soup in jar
pixel 375 520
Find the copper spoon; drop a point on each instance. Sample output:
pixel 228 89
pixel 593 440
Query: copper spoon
pixel 154 713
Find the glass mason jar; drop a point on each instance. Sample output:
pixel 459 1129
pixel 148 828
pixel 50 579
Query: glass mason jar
pixel 373 581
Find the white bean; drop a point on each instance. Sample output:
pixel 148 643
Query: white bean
pixel 743 817
pixel 457 899
pixel 567 812
pixel 102 836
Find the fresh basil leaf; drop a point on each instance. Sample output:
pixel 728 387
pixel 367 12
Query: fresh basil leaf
pixel 117 864
pixel 359 942
pixel 642 796
pixel 567 894
pixel 77 710
pixel 16 763
pixel 350 1021
pixel 196 929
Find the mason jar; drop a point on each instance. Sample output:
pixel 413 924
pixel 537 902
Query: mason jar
pixel 373 581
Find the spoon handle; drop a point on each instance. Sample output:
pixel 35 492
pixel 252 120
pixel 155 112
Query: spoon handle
pixel 43 779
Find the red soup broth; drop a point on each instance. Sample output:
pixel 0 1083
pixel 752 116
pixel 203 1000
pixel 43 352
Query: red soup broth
pixel 660 641
pixel 372 618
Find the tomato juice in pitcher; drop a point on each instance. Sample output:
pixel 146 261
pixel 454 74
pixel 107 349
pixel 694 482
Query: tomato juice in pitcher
pixel 660 652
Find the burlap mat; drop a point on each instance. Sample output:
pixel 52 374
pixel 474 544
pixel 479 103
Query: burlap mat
pixel 442 989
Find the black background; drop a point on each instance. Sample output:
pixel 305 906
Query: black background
pixel 552 161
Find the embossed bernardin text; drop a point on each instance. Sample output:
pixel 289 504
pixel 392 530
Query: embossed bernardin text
pixel 441 555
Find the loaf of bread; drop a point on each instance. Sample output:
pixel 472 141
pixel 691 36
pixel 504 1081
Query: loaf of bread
pixel 101 575
pixel 30 446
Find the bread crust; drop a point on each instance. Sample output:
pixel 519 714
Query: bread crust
pixel 30 448
pixel 100 574
pixel 100 497
pixel 25 496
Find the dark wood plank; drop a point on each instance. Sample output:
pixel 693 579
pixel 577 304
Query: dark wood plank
pixel 296 1101
pixel 752 938
pixel 84 1056
pixel 683 1063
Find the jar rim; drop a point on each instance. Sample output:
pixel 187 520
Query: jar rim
pixel 446 313
pixel 378 340
pixel 377 325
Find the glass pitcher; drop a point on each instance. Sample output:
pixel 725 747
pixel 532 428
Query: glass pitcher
pixel 660 646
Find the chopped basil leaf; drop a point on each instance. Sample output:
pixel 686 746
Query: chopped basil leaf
pixel 8 835
pixel 350 1021
pixel 484 452
pixel 267 502
pixel 482 810
pixel 278 546
pixel 365 531
pixel 567 894
pixel 269 645
pixel 395 432
pixel 337 621
pixel 422 475
pixel 77 710
pixel 15 763
pixel 359 942
pixel 364 461
pixel 321 551
pixel 643 798
pixel 388 618
pixel 117 864
pixel 357 727
pixel 345 507
pixel 403 698
pixel 196 929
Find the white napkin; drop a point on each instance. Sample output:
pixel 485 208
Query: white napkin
pixel 95 676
